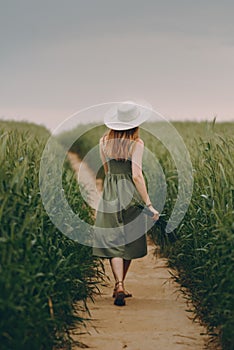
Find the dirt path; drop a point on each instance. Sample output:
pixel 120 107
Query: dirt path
pixel 154 319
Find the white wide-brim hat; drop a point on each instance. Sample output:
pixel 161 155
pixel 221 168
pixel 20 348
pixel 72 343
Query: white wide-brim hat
pixel 126 115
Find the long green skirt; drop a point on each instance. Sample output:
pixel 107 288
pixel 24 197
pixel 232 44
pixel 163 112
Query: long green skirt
pixel 120 226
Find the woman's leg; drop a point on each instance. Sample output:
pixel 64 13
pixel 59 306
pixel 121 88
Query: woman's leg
pixel 117 266
pixel 126 264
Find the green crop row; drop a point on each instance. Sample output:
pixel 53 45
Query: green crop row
pixel 45 277
pixel 201 248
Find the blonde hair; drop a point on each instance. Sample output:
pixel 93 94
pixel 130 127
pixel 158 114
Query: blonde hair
pixel 116 143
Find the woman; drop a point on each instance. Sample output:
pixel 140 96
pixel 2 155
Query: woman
pixel 120 226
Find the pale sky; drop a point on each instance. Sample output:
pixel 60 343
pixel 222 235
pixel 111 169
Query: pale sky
pixel 58 57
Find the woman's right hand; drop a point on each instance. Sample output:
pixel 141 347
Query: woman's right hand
pixel 156 213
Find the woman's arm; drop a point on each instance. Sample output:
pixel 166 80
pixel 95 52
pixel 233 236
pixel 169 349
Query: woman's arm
pixel 138 177
pixel 102 156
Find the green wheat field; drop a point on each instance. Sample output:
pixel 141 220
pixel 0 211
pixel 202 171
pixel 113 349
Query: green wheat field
pixel 46 278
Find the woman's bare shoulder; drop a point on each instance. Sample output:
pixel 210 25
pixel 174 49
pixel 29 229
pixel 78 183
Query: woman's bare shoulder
pixel 139 140
pixel 138 145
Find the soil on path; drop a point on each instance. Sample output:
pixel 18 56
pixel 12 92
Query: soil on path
pixel 155 318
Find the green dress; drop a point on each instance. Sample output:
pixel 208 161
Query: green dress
pixel 120 226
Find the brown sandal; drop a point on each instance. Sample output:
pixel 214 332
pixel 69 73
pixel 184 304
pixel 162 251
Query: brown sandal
pixel 127 294
pixel 119 296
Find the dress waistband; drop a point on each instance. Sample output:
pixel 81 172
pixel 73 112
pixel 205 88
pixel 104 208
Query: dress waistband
pixel 119 166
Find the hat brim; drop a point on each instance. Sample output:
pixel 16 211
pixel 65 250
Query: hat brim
pixel 112 122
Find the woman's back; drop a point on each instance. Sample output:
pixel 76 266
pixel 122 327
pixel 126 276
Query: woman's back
pixel 107 147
